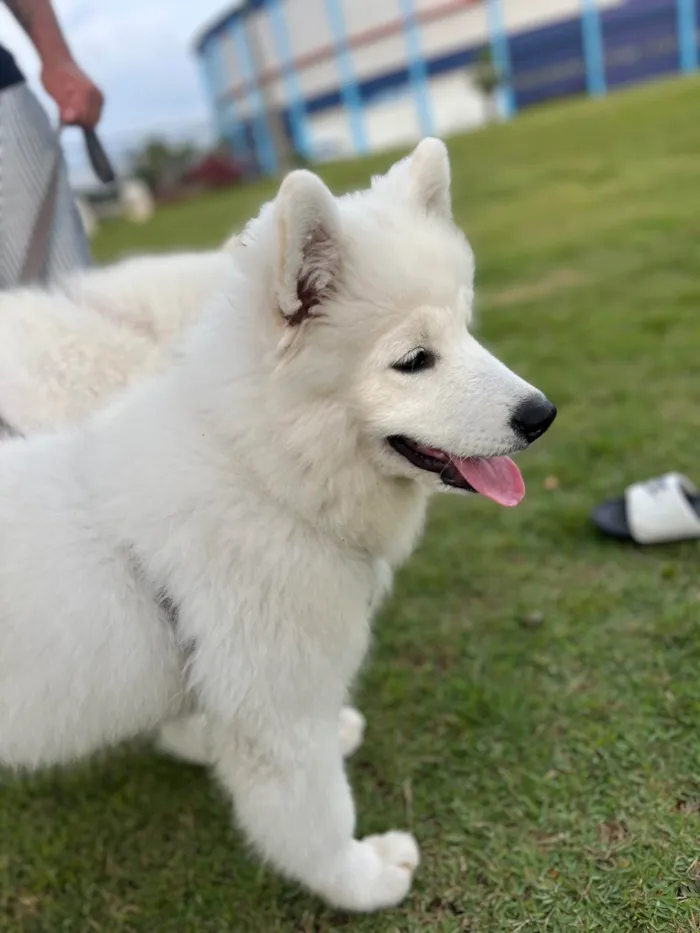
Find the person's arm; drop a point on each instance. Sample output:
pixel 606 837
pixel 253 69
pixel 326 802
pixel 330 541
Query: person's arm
pixel 79 100
pixel 38 20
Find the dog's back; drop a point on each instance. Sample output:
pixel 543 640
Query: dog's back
pixel 66 350
pixel 155 296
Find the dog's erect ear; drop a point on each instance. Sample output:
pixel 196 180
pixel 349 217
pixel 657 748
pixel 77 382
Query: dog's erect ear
pixel 429 177
pixel 308 247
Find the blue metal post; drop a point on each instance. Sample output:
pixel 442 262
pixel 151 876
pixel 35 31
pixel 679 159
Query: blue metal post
pixel 417 68
pixel 211 72
pixel 295 97
pixel 217 84
pixel 593 53
pixel 264 146
pixel 235 134
pixel 349 88
pixel 687 41
pixel 500 52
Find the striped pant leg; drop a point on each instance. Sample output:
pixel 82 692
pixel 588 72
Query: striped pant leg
pixel 28 148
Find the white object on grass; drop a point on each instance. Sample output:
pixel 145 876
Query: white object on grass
pixel 660 510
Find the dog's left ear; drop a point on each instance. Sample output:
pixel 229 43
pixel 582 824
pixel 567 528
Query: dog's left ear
pixel 429 177
pixel 308 245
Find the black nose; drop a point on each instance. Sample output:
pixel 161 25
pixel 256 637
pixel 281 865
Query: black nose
pixel 532 417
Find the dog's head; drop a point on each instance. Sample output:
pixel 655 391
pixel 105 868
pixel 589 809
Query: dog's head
pixel 371 296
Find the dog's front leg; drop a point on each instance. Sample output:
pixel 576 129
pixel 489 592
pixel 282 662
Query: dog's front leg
pixel 293 800
pixel 187 737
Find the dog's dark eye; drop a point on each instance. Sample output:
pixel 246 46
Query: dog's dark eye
pixel 415 361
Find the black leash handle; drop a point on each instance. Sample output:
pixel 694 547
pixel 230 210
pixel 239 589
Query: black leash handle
pixel 100 161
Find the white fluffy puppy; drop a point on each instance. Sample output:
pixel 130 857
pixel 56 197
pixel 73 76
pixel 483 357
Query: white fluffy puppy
pixel 215 542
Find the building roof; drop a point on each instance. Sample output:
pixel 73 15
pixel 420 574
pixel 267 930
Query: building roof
pixel 233 12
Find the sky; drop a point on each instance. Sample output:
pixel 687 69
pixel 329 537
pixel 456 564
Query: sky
pixel 140 54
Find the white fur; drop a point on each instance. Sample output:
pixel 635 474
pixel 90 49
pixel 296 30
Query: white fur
pixel 66 351
pixel 187 737
pixel 251 480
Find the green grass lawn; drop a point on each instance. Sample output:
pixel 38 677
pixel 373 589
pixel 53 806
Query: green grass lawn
pixel 533 695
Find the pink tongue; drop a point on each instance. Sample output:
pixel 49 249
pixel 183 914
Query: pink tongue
pixel 498 479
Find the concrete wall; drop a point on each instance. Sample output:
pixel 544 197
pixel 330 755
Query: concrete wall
pixel 376 38
pixel 344 70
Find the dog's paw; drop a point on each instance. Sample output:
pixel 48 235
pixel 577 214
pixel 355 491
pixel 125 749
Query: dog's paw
pixel 396 848
pixel 352 730
pixel 185 738
pixel 377 874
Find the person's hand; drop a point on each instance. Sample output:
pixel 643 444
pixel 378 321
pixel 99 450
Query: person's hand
pixel 79 100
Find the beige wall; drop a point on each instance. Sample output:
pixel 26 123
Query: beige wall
pixel 455 104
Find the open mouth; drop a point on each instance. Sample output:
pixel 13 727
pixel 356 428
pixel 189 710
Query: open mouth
pixel 497 478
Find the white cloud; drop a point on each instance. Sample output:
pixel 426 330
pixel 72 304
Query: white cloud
pixel 140 53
